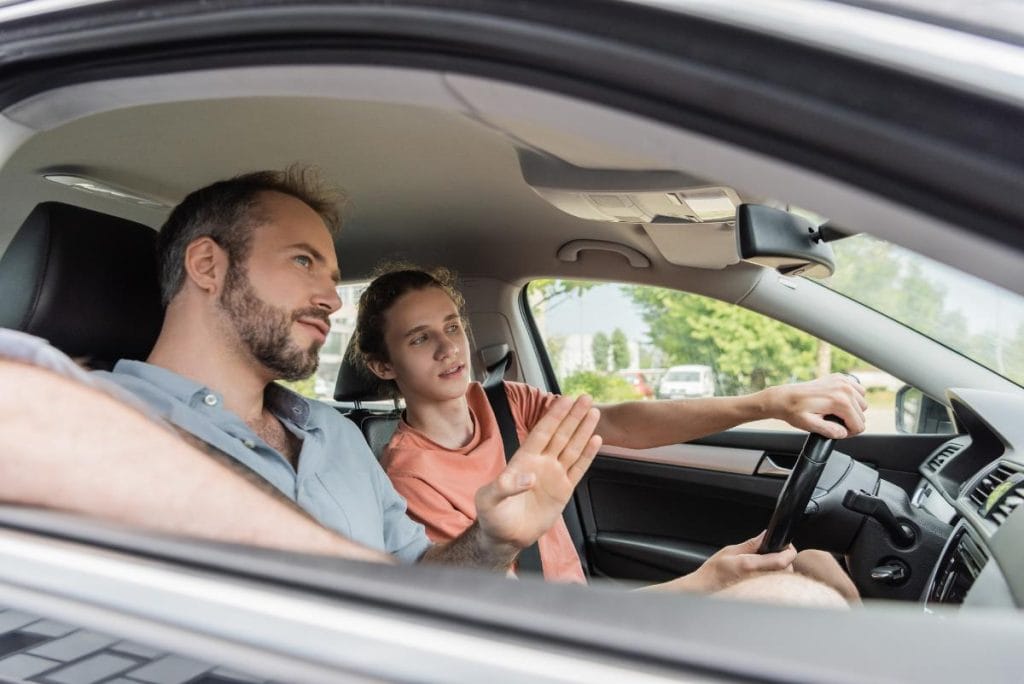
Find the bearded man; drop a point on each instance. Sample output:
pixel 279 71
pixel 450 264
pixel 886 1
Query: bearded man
pixel 248 279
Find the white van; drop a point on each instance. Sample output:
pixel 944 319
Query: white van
pixel 687 382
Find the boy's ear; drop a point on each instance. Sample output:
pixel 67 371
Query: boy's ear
pixel 382 369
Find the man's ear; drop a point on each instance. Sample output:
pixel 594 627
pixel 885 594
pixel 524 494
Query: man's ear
pixel 206 264
pixel 382 369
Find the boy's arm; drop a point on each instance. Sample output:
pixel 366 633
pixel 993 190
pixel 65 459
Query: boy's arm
pixel 644 424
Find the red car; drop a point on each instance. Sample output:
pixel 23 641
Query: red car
pixel 639 383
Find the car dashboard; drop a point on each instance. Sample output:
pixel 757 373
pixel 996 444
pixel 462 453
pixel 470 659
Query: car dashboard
pixel 975 482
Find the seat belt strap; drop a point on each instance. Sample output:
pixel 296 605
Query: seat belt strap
pixel 494 387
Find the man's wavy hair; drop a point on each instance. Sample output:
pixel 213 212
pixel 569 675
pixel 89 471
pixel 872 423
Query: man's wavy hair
pixel 228 211
pixel 391 281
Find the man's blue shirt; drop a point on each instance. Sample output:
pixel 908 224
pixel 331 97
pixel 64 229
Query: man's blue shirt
pixel 338 482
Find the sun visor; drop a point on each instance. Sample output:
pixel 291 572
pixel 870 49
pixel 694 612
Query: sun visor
pixel 690 220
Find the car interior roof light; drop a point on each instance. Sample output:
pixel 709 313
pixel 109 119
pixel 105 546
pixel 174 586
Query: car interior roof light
pixel 708 204
pixel 102 189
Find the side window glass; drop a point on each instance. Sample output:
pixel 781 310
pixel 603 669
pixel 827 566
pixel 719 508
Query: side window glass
pixel 619 342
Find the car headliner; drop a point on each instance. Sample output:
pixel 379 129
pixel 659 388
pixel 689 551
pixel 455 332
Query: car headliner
pixel 433 184
pixel 428 160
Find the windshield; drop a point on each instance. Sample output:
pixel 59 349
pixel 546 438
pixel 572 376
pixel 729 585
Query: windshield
pixel 971 316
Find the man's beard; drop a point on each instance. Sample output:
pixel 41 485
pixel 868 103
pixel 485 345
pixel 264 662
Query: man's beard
pixel 265 330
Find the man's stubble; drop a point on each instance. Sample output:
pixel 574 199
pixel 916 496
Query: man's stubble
pixel 265 330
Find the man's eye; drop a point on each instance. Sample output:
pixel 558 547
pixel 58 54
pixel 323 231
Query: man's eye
pixel 419 339
pixel 303 260
pixel 454 327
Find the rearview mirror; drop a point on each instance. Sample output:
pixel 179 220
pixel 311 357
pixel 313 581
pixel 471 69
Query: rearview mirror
pixel 781 240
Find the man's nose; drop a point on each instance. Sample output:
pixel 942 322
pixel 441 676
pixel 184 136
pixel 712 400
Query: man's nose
pixel 328 299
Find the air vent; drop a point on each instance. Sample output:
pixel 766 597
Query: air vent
pixel 999 493
pixel 963 561
pixel 972 555
pixel 945 453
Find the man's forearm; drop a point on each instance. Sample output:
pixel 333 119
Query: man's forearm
pixel 673 422
pixel 472 549
pixel 71 447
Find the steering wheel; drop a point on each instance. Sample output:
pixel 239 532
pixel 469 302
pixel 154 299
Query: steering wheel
pixel 797 491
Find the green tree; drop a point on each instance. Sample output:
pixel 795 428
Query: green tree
pixel 999 349
pixel 600 347
pixel 900 287
pixel 1014 357
pixel 545 294
pixel 831 359
pixel 620 349
pixel 747 350
pixel 600 386
pixel 750 351
pixel 646 356
pixel 556 347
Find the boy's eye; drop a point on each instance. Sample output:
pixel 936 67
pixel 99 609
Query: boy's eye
pixel 419 339
pixel 453 327
pixel 303 260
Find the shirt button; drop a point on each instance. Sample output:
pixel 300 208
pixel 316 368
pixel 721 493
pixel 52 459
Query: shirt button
pixel 249 444
pixel 210 400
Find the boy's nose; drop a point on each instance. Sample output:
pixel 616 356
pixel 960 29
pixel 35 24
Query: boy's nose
pixel 445 348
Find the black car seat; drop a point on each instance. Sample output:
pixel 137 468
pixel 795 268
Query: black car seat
pixel 355 385
pixel 85 281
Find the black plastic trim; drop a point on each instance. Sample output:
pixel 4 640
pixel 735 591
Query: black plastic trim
pixel 541 351
pixel 897 457
pixel 670 555
pixel 572 514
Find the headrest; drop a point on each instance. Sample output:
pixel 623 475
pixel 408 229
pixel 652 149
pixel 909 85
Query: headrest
pixel 356 383
pixel 85 281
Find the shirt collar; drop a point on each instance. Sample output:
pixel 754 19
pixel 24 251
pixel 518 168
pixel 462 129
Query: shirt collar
pixel 288 404
pixel 283 402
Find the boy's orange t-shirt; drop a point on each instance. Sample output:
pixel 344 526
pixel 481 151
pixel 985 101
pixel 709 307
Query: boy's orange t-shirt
pixel 440 484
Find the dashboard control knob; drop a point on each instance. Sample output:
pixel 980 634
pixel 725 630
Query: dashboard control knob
pixel 893 572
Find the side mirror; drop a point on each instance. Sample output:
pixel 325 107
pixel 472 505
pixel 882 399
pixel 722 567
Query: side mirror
pixel 917 413
pixel 782 240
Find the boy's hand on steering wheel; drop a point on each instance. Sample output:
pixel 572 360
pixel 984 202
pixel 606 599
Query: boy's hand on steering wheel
pixel 804 405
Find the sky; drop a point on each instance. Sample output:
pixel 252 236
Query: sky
pixel 600 309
